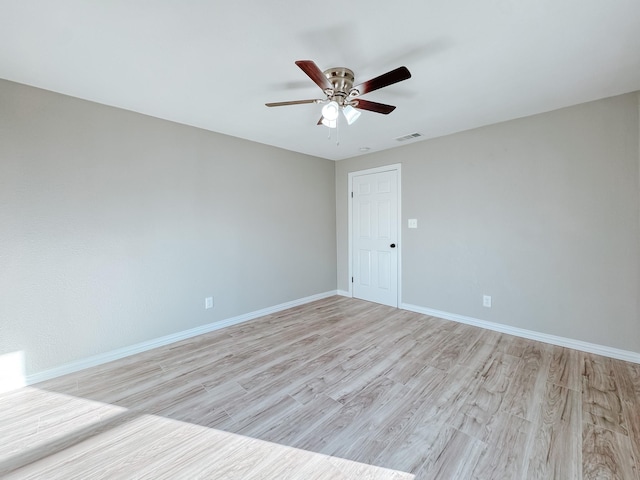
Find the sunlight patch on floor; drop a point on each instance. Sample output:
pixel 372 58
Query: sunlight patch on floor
pixel 51 435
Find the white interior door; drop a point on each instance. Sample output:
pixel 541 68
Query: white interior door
pixel 374 235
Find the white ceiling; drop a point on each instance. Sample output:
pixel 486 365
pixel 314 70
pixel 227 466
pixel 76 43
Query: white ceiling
pixel 213 64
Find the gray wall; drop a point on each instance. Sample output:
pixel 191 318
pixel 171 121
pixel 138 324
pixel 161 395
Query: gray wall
pixel 542 213
pixel 115 226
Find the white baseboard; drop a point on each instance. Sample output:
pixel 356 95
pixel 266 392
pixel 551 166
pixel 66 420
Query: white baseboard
pixel 166 340
pixel 176 337
pixel 530 334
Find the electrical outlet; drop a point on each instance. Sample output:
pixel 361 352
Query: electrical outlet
pixel 486 301
pixel 208 302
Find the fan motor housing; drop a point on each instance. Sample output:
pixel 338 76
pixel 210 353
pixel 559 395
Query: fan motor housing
pixel 341 79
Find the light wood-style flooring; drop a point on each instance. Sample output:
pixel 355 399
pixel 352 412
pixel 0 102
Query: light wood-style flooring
pixel 336 389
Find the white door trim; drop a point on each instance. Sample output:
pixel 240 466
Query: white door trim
pixel 398 168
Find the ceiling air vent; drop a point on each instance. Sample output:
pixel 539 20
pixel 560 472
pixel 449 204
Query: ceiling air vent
pixel 411 136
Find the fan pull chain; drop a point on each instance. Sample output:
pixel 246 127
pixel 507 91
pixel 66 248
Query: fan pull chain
pixel 337 129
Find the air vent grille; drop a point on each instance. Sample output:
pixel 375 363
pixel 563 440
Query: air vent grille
pixel 411 136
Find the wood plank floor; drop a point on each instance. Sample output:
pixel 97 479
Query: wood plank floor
pixel 336 389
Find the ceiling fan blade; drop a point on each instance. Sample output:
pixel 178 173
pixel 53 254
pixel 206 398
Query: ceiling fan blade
pixel 294 102
pixel 311 69
pixel 374 106
pixel 384 80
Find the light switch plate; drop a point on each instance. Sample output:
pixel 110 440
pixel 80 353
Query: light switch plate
pixel 413 223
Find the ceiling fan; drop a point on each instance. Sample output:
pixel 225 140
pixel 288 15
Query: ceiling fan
pixel 340 94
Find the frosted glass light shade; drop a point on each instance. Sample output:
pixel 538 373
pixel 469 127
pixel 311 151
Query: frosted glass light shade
pixel 351 114
pixel 329 123
pixel 331 110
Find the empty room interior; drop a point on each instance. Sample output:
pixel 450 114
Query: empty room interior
pixel 261 240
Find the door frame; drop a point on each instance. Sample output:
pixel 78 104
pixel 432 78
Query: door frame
pixel 397 167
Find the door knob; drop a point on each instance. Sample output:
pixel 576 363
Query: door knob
pixel 393 245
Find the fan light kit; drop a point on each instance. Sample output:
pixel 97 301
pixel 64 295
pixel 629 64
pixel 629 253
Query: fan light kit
pixel 340 94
